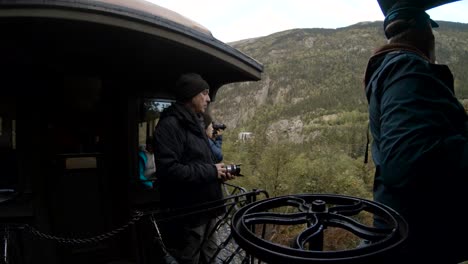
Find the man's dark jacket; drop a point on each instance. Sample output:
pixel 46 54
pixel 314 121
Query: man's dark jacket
pixel 420 147
pixel 185 169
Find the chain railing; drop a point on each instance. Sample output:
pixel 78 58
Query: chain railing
pixel 236 197
pixel 137 215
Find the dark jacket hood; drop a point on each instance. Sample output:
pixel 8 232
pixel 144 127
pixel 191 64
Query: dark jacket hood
pixel 186 116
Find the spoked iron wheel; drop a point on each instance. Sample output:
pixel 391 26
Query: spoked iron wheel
pixel 315 213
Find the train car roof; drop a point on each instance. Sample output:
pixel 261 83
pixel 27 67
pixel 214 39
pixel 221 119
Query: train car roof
pixel 133 36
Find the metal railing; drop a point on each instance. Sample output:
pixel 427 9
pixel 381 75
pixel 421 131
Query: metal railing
pixel 227 250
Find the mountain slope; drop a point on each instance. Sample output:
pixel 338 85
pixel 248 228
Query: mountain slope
pixel 312 75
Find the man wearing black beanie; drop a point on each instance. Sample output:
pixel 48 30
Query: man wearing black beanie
pixel 187 173
pixel 188 85
pixel 420 139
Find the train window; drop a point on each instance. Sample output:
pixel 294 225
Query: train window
pixel 76 127
pixel 150 112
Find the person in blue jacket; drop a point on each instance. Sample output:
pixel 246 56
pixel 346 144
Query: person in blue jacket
pixel 146 164
pixel 215 138
pixel 420 139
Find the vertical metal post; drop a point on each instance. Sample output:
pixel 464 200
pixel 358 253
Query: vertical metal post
pixel 6 238
pixel 318 206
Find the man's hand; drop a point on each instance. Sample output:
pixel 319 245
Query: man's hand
pixel 219 132
pixel 222 173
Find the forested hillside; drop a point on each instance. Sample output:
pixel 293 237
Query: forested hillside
pixel 308 114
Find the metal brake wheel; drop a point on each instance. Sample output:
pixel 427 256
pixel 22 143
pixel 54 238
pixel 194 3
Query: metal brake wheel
pixel 317 212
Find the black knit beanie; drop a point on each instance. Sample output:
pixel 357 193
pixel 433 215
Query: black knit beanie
pixel 406 11
pixel 188 85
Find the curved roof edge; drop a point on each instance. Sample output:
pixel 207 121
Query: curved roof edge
pixel 143 12
pixel 158 11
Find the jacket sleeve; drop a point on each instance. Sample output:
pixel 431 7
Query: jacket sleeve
pixel 216 148
pixel 418 139
pixel 169 150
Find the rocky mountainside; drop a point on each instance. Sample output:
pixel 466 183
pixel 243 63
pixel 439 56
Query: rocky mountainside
pixel 314 77
pixel 308 114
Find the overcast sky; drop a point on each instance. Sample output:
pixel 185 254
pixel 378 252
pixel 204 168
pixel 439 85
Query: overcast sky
pixel 231 20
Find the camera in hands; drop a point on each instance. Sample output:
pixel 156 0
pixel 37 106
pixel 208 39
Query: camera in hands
pixel 217 127
pixel 234 169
